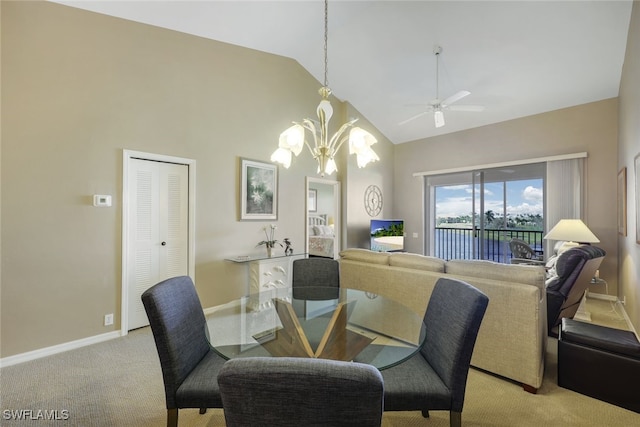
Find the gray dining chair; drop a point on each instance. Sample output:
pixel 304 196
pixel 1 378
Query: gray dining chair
pixel 294 392
pixel 189 365
pixel 435 378
pixel 312 277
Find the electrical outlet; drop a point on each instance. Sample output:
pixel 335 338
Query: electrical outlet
pixel 623 301
pixel 108 319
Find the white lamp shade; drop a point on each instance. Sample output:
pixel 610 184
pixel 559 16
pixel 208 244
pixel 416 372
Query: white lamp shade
pixel 282 156
pixel 292 139
pixel 572 230
pixel 438 117
pixel 366 156
pixel 330 167
pixel 360 141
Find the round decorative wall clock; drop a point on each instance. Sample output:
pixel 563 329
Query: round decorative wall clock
pixel 373 200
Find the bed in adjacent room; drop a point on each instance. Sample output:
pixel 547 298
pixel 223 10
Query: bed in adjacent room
pixel 321 237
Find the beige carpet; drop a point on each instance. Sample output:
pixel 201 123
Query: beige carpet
pixel 118 383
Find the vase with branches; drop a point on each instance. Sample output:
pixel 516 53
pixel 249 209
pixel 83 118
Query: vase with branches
pixel 270 242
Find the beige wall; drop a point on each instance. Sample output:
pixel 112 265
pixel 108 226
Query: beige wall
pixel 628 149
pixel 355 184
pixel 590 127
pixel 77 89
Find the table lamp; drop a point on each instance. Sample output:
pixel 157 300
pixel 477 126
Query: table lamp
pixel 573 231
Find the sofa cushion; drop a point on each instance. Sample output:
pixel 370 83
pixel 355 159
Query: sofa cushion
pixel 520 273
pixel 417 262
pixel 365 255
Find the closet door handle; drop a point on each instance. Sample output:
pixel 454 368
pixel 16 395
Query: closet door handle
pixel 164 243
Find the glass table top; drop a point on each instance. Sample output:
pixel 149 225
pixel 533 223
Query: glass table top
pixel 331 323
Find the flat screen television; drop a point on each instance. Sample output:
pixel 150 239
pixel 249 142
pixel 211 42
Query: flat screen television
pixel 387 235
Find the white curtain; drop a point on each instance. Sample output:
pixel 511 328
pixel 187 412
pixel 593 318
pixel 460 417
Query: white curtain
pixel 564 192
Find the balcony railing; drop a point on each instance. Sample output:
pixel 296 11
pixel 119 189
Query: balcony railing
pixel 463 243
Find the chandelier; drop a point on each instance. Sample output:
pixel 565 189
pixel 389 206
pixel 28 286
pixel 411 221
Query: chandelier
pixel 325 149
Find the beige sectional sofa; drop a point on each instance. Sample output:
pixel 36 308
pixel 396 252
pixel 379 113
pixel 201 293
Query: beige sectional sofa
pixel 513 336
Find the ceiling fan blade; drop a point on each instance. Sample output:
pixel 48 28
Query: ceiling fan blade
pixel 412 118
pixel 466 108
pixel 455 97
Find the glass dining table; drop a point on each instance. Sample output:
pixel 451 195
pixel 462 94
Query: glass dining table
pixel 330 323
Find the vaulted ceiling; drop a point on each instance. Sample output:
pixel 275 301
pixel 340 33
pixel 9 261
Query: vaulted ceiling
pixel 517 58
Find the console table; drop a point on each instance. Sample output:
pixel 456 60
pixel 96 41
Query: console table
pixel 267 273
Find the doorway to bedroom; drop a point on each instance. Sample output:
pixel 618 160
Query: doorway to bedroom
pixel 322 213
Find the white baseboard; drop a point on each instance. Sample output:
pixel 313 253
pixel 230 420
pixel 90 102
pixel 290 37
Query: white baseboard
pixel 72 345
pixel 55 349
pixel 604 297
pixel 209 310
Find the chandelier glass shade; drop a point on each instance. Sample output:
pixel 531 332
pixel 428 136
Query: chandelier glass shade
pixel 324 148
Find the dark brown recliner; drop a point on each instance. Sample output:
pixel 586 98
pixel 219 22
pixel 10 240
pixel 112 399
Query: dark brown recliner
pixel 575 268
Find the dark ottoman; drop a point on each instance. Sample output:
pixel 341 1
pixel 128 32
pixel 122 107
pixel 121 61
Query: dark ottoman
pixel 600 362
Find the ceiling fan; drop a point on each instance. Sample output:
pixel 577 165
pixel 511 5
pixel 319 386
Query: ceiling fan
pixel 437 106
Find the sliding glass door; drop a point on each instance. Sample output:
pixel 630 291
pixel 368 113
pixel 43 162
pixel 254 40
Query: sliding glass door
pixel 474 214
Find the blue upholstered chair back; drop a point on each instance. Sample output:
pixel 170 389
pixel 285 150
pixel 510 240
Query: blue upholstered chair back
pixel 294 392
pixel 315 272
pixel 452 321
pixel 178 325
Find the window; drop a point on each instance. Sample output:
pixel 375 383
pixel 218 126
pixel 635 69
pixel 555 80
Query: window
pixel 474 214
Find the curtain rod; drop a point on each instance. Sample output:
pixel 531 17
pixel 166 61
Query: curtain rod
pixel 504 164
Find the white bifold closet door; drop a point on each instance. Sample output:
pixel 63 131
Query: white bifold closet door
pixel 158 229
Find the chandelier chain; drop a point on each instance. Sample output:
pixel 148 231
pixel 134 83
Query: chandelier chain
pixel 326 38
pixel 292 140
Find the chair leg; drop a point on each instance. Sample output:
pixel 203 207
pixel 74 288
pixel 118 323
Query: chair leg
pixel 425 413
pixel 172 417
pixel 455 419
pixel 203 411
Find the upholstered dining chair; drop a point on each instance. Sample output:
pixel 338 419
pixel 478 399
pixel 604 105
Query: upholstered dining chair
pixel 315 273
pixel 294 392
pixel 435 378
pixel 189 365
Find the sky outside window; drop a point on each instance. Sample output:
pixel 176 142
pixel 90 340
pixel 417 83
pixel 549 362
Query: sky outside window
pixel 524 197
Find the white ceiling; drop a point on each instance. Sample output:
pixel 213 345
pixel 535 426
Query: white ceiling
pixel 517 58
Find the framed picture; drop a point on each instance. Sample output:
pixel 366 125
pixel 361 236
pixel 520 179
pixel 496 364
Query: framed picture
pixel 259 190
pixel 313 201
pixel 622 202
pixel 636 164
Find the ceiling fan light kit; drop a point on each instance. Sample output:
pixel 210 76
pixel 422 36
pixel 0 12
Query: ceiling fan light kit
pixel 438 117
pixel 438 106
